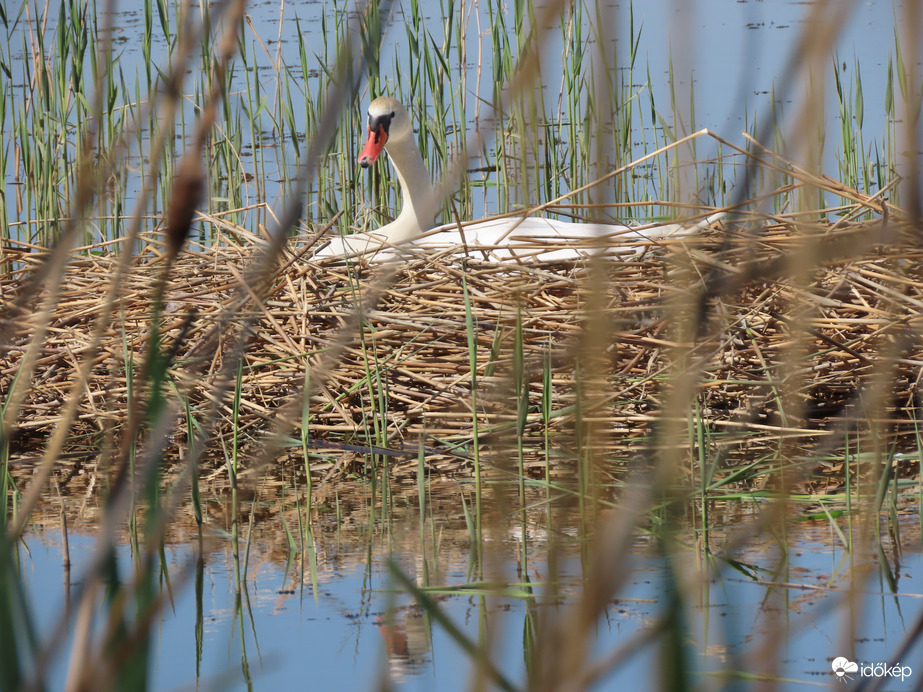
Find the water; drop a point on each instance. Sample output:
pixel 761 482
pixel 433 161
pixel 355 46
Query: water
pixel 728 62
pixel 353 626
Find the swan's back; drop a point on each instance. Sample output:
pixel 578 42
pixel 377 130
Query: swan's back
pixel 532 238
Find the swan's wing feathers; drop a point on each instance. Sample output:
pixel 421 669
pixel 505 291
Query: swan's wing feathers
pixel 521 238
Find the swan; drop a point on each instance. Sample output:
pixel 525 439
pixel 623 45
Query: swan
pixel 511 237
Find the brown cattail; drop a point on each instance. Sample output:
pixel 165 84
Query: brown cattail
pixel 188 184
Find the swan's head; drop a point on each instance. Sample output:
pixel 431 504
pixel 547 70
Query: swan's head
pixel 388 121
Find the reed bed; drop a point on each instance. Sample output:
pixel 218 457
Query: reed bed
pixel 403 381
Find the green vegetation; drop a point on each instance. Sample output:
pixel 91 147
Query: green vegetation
pixel 648 393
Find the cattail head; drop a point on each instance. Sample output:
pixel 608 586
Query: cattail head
pixel 188 185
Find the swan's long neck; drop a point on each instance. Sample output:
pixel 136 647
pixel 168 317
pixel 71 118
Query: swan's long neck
pixel 418 208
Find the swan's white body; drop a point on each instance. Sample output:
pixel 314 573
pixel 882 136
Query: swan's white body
pixel 532 238
pixel 510 237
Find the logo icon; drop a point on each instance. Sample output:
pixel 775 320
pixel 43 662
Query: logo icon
pixel 841 666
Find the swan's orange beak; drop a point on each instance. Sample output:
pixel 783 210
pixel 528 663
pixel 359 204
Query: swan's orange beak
pixel 373 145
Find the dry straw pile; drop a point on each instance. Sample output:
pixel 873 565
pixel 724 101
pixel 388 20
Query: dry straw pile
pixel 794 332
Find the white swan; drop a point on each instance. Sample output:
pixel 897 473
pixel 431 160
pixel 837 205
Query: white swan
pixel 390 129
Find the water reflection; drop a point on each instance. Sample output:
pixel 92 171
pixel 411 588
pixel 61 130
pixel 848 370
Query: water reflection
pixel 407 638
pixel 271 617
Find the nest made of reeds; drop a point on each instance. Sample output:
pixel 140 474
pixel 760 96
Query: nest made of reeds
pixel 781 323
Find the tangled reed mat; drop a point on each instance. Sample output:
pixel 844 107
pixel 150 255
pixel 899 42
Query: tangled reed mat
pixel 791 337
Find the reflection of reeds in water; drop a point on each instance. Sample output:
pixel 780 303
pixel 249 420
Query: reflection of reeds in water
pixel 776 353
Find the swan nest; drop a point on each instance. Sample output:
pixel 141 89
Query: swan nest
pixel 773 333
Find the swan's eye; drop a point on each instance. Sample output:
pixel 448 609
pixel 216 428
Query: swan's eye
pixel 392 114
pixel 380 122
